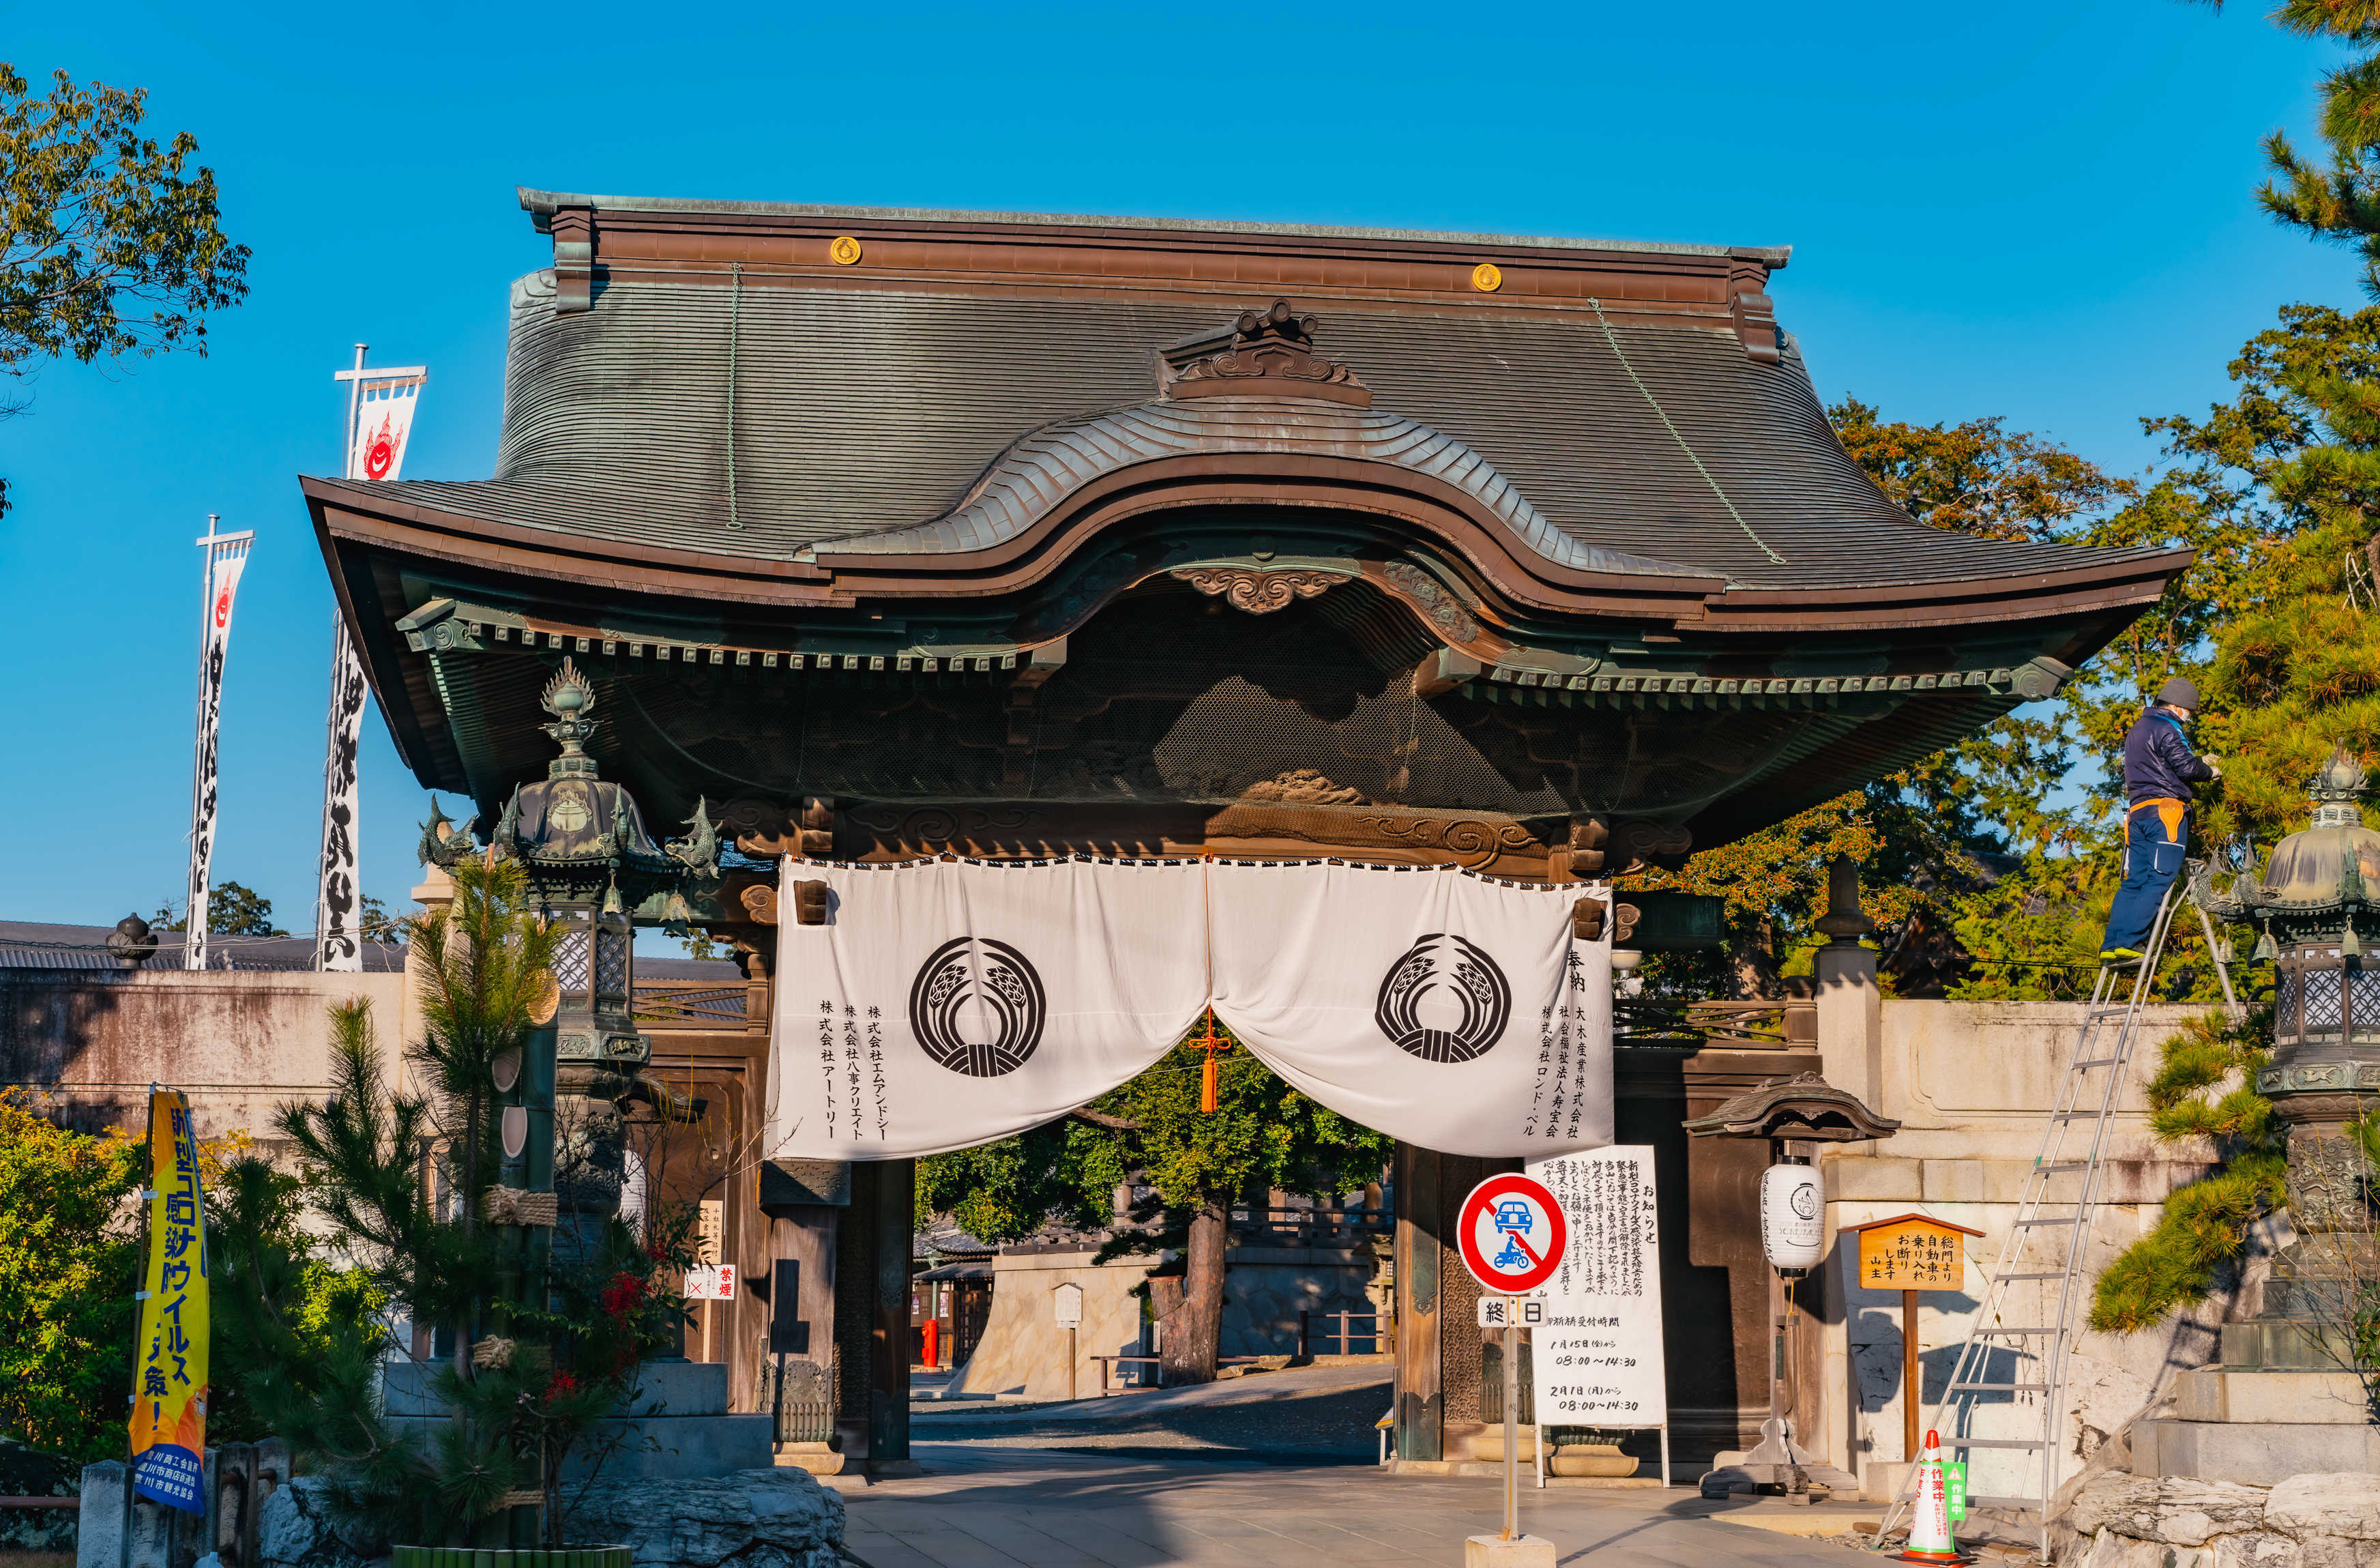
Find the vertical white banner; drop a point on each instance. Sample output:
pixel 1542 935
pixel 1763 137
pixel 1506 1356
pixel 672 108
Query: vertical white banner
pixel 380 426
pixel 1599 1357
pixel 338 934
pixel 226 555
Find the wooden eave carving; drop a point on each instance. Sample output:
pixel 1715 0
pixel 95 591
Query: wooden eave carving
pixel 1804 1108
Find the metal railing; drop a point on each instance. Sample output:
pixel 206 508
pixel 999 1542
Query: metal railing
pixel 1741 1026
pixel 1340 1326
pixel 692 1005
pixel 1309 1227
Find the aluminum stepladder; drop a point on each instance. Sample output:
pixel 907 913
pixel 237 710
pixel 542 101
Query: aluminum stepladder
pixel 2074 1146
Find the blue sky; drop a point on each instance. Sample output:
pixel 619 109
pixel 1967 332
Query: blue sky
pixel 2037 210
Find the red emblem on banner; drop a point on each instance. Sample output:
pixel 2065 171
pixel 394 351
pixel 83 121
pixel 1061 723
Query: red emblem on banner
pixel 222 609
pixel 380 455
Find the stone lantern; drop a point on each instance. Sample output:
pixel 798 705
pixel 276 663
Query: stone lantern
pixel 2317 912
pixel 593 871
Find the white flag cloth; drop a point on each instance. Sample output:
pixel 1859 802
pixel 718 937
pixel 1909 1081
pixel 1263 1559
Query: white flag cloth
pixel 949 1002
pixel 222 586
pixel 946 1003
pixel 383 425
pixel 1447 1009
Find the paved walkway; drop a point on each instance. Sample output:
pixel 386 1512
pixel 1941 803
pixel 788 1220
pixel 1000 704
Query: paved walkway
pixel 980 1506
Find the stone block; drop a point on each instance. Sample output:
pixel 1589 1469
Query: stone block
pixel 2344 1503
pixel 679 1388
pixel 2256 1454
pixel 2176 1511
pixel 1954 1181
pixel 654 1447
pixel 2298 1398
pixel 1527 1552
pixel 1875 1180
pixel 2254 1549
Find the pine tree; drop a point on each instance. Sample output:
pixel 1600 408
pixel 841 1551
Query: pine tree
pixel 537 1364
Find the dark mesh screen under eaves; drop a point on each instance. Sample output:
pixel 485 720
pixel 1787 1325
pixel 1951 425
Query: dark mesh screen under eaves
pixel 1169 697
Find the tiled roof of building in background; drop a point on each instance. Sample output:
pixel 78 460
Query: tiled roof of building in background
pixel 34 945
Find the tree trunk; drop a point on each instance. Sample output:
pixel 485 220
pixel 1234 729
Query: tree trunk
pixel 1187 1345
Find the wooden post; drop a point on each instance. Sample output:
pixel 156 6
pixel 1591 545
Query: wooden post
pixel 1070 1361
pixel 1909 1381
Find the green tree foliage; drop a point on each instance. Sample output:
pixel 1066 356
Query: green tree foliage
pixel 2337 197
pixel 232 910
pixel 531 1378
pixel 1195 1164
pixel 69 1255
pixel 110 244
pixel 2204 1095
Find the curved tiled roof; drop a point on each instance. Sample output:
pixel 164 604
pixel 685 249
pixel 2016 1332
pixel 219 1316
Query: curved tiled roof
pixel 854 412
pixel 1037 474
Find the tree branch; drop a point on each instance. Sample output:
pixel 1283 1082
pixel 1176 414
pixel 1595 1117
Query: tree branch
pixel 1098 1119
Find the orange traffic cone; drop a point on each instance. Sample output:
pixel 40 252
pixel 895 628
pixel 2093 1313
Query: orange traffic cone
pixel 1929 1523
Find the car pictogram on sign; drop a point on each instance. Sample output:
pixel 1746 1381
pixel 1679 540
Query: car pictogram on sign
pixel 1511 1233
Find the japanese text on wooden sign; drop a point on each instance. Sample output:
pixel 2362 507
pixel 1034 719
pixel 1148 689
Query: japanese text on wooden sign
pixel 1914 1253
pixel 1598 1358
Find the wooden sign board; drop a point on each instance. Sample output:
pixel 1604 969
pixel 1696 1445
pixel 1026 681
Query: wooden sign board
pixel 1913 1252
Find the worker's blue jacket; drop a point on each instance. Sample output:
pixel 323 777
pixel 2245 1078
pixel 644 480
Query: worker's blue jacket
pixel 2158 762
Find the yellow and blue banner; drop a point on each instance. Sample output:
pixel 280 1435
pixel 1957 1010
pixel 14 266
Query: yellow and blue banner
pixel 169 1400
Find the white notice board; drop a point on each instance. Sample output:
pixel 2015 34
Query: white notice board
pixel 1599 1357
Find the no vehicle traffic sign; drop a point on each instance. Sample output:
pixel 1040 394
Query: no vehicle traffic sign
pixel 1512 1233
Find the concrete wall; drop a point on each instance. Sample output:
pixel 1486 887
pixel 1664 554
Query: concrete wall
pixel 1973 1084
pixel 1266 1287
pixel 239 1041
pixel 1022 1352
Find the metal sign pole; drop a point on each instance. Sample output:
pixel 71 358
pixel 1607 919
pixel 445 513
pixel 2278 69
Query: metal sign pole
pixel 1512 1425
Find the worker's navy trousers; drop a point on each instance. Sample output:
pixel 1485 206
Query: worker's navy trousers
pixel 2153 854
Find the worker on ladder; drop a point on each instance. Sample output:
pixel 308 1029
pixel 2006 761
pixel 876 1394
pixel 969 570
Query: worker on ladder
pixel 2159 768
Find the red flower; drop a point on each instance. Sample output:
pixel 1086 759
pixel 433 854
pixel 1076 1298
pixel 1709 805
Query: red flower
pixel 623 1294
pixel 561 1386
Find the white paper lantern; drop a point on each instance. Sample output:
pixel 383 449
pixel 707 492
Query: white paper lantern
pixel 1793 1217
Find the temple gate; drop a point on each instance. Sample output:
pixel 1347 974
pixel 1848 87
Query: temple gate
pixel 883 535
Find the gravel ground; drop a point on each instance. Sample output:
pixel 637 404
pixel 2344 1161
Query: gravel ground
pixel 1325 1426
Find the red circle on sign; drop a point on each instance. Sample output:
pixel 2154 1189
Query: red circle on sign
pixel 1492 1209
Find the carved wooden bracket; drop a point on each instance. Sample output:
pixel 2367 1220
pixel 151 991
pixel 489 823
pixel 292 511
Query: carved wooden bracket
pixel 759 901
pixel 1637 844
pixel 809 904
pixel 1586 920
pixel 1257 592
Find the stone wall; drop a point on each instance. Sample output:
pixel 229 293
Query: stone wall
pixel 1022 1352
pixel 1973 1085
pixel 90 1042
pixel 2311 1521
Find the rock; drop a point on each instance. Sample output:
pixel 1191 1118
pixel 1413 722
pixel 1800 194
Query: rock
pixel 2336 1551
pixel 296 1529
pixel 1728 1480
pixel 755 1518
pixel 2170 1510
pixel 2108 1550
pixel 2346 1503
pixel 778 1518
pixel 2254 1549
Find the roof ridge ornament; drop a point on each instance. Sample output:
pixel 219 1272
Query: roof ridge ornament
pixel 570 697
pixel 1270 353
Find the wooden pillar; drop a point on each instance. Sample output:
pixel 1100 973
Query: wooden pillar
pixel 1420 1405
pixel 894 1210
